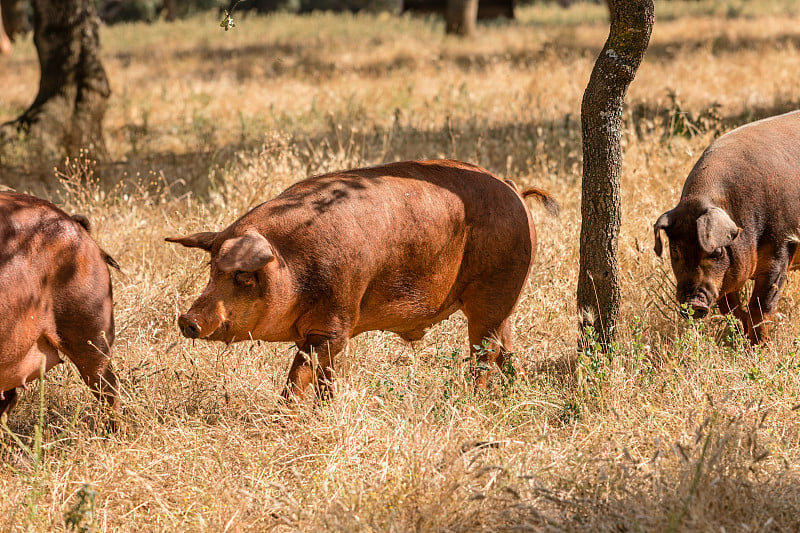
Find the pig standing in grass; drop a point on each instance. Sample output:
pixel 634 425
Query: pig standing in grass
pixel 55 296
pixel 738 219
pixel 397 247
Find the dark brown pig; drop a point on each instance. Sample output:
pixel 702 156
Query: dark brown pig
pixel 55 298
pixel 397 247
pixel 738 219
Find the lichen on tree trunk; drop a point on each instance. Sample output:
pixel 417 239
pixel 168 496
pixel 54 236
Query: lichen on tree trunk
pixel 68 111
pixel 601 119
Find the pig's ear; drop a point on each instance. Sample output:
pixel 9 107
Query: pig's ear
pixel 663 222
pixel 249 253
pixel 202 240
pixel 715 228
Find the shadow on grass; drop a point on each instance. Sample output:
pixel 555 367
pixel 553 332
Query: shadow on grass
pixel 728 505
pixel 303 60
pixel 506 148
pixel 721 469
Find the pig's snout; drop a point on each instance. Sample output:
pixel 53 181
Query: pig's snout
pixel 699 301
pixel 698 310
pixel 188 327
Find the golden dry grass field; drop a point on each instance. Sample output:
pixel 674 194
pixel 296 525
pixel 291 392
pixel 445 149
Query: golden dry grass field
pixel 683 428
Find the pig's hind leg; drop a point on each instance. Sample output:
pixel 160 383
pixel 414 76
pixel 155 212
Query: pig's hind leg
pixel 488 305
pixel 489 327
pixel 89 348
pixel 488 344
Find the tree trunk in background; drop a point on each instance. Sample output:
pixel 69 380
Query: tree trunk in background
pixel 601 119
pixel 171 10
pixel 15 18
pixel 461 17
pixel 5 44
pixel 69 108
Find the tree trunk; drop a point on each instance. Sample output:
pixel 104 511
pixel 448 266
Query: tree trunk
pixel 5 44
pixel 461 17
pixel 601 118
pixel 15 18
pixel 73 90
pixel 170 10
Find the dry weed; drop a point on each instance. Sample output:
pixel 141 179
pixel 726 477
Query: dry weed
pixel 683 428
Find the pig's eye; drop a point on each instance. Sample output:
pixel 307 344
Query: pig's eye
pixel 716 254
pixel 244 279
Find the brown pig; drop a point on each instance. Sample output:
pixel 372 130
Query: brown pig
pixel 397 247
pixel 738 219
pixel 56 298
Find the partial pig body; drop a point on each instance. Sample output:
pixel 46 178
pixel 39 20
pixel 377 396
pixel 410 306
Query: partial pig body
pixel 56 297
pixel 739 219
pixel 398 247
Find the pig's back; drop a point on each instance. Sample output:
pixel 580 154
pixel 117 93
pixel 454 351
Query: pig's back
pixel 398 207
pixel 749 158
pixel 47 262
pixel 404 238
pixel 753 172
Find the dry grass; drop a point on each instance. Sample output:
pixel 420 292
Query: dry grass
pixel 684 429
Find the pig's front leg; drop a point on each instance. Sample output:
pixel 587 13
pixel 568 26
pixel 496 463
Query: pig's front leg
pixel 314 361
pixel 769 281
pixel 731 303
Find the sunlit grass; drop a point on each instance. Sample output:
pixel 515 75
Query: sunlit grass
pixel 684 428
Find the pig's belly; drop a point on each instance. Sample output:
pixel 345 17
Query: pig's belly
pixel 408 308
pixel 410 325
pixel 21 370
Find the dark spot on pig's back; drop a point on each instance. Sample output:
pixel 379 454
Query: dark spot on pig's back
pixel 318 193
pixel 324 204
